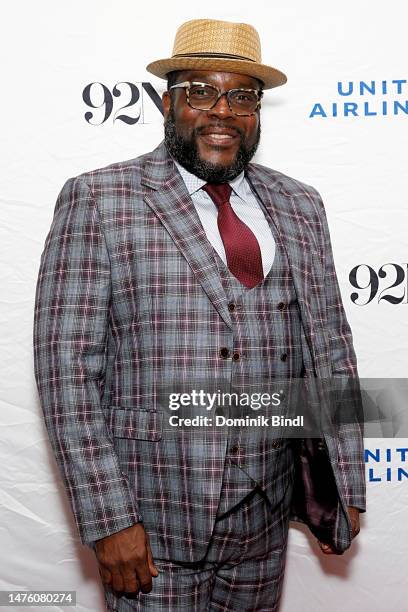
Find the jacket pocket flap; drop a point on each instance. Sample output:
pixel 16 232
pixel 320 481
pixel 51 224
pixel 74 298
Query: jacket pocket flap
pixel 135 424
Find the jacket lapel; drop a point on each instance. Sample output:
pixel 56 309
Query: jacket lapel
pixel 167 196
pixel 300 248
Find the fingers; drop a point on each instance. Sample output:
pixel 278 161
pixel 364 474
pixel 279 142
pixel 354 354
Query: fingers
pixel 122 581
pixel 327 549
pixel 117 580
pixel 354 515
pixel 355 525
pixel 143 573
pixel 105 575
pixel 130 581
pixel 152 568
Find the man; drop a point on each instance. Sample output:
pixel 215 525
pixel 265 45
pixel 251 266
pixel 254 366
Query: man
pixel 191 264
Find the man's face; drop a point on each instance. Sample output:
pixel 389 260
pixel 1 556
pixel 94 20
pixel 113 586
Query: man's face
pixel 215 144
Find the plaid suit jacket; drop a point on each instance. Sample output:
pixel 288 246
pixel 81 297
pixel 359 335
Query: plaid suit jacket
pixel 126 275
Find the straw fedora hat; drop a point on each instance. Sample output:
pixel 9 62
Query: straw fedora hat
pixel 222 46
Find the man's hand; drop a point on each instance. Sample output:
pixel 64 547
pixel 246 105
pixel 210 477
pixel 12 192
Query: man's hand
pixel 126 561
pixel 354 515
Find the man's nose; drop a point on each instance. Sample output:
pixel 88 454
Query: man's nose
pixel 221 109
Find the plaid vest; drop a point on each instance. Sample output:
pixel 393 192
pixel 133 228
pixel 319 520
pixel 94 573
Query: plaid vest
pixel 266 346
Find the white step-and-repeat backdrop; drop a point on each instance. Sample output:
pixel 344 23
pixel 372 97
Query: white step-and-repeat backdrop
pixel 76 96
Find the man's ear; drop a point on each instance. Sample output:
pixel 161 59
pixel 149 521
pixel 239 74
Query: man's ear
pixel 166 104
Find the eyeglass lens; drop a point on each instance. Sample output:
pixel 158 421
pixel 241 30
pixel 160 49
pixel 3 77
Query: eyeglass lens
pixel 204 97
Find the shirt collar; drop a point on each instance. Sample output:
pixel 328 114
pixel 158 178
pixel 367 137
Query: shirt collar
pixel 194 183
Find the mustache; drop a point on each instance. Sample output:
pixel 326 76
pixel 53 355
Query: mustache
pixel 199 130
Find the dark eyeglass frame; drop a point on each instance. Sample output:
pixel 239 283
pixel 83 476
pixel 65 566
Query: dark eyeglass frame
pixel 187 84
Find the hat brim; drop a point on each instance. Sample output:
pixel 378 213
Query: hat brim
pixel 271 77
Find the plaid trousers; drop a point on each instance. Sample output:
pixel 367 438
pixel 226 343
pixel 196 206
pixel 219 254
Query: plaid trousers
pixel 242 570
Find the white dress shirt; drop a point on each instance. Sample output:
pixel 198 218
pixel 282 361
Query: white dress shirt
pixel 246 207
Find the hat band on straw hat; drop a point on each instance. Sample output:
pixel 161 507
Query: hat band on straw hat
pixel 218 55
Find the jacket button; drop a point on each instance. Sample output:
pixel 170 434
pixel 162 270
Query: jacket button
pixel 281 305
pixel 236 356
pixel 231 306
pixel 276 444
pixel 234 450
pixel 224 352
pixel 321 446
pixel 284 357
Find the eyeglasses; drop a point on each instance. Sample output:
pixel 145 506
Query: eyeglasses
pixel 201 96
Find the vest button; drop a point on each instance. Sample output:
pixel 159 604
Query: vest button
pixel 224 352
pixel 284 357
pixel 276 444
pixel 231 306
pixel 234 450
pixel 236 356
pixel 281 306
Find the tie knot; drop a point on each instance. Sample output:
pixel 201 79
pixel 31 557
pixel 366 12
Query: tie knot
pixel 219 193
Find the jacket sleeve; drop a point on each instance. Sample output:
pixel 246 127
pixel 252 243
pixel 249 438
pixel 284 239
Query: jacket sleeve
pixel 350 444
pixel 71 322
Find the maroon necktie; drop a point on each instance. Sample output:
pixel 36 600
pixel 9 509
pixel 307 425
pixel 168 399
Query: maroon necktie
pixel 241 246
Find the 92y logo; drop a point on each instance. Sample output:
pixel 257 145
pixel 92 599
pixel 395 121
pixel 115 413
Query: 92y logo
pixel 389 284
pixel 133 98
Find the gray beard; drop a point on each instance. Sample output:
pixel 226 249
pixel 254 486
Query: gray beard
pixel 186 153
